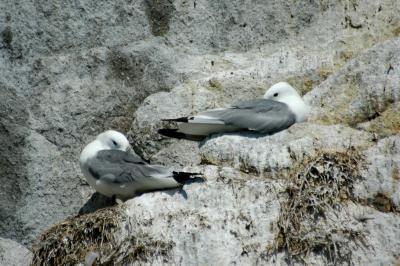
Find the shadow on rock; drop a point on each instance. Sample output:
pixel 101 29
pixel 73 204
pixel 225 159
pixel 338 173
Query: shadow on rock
pixel 197 179
pixel 96 202
pixel 172 192
pixel 247 134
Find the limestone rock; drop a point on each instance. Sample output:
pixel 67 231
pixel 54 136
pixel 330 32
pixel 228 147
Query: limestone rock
pixel 381 184
pixel 13 254
pixel 72 70
pixel 362 90
pixel 220 217
pixel 259 154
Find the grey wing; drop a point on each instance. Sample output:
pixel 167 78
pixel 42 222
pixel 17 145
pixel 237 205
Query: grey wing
pixel 265 116
pixel 250 104
pixel 119 167
pixel 120 156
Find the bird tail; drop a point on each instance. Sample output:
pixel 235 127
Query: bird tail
pixel 174 133
pixel 184 119
pixel 184 177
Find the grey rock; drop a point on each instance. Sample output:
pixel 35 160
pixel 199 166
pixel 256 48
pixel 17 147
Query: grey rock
pixel 72 70
pixel 234 212
pixel 13 253
pixel 181 101
pixel 67 100
pixel 362 89
pixel 381 183
pixel 270 154
pixel 223 216
pixel 14 178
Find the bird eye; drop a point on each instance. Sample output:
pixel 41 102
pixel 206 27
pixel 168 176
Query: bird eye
pixel 115 143
pixel 276 94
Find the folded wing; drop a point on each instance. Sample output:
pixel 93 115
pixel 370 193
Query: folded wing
pixel 264 116
pixel 122 168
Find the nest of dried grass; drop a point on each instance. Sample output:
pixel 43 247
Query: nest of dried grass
pixel 92 237
pixel 318 186
pixel 144 249
pixel 68 243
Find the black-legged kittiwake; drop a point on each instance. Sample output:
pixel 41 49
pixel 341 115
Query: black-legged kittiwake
pixel 112 170
pixel 280 108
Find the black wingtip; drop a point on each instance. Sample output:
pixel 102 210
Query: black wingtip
pixel 185 177
pixel 184 119
pixel 173 133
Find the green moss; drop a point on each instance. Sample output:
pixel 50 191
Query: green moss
pixel 7 36
pixel 387 123
pixel 343 56
pixel 396 173
pixel 324 71
pixel 215 85
pixel 338 113
pixel 383 203
pixel 305 83
pixel 159 14
pixel 396 31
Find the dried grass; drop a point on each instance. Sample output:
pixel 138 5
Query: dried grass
pixel 70 242
pixel 317 187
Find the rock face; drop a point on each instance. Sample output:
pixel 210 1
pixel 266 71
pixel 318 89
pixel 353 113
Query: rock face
pixel 72 70
pixel 13 254
pixel 363 90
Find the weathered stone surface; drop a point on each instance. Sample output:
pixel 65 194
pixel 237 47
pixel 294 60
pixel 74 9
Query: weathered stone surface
pixel 13 132
pixel 13 253
pixel 211 218
pixel 260 154
pixel 67 100
pixel 227 220
pixel 362 89
pixel 381 178
pixel 60 102
pixel 183 100
pixel 71 70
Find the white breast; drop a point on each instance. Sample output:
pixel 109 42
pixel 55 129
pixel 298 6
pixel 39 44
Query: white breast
pixel 298 107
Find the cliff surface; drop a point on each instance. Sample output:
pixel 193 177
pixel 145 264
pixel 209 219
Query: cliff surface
pixel 325 191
